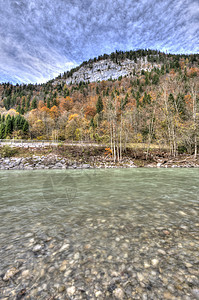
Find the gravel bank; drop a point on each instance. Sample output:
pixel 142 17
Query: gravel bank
pixel 57 162
pixel 108 258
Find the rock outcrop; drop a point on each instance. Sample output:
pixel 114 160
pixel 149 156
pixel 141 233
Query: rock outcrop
pixel 107 69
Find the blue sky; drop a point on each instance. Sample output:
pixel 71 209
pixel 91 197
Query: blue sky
pixel 41 38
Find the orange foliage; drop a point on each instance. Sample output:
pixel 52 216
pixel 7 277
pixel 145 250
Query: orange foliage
pixel 54 113
pixel 72 117
pixel 172 72
pixel 193 72
pixel 108 152
pixel 90 111
pixel 40 104
pixel 45 109
pixel 188 99
pixel 65 104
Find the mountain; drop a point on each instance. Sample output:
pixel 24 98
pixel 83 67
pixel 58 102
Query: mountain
pixel 117 64
pixel 107 70
pixel 125 97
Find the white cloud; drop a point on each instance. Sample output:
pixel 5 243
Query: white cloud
pixel 39 39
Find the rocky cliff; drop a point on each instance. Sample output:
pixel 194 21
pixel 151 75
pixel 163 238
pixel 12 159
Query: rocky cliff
pixel 107 69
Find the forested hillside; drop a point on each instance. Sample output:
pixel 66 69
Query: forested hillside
pixel 158 104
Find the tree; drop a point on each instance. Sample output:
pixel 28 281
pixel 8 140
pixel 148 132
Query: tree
pixel 2 131
pixel 34 104
pixel 99 105
pixel 195 123
pixel 155 79
pixel 48 103
pixel 25 127
pixel 8 128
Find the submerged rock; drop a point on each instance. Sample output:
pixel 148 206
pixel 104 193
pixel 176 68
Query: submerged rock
pixel 10 273
pixel 37 248
pixel 71 291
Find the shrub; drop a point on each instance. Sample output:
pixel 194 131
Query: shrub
pixel 7 151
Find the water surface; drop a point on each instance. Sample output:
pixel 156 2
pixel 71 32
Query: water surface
pixel 122 233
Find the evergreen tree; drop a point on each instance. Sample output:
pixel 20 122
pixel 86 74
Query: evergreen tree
pixel 181 105
pixel 12 122
pixel 17 123
pixel 18 108
pixel 146 78
pixel 99 105
pixel 48 103
pixel 66 93
pixel 28 103
pixel 155 79
pixel 145 98
pixel 55 102
pixel 8 127
pixel 23 106
pixel 21 122
pixel 2 131
pixel 137 99
pixel 92 123
pixel 171 99
pixel 25 127
pixel 149 99
pixel 34 104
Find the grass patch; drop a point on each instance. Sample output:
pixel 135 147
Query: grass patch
pixel 7 151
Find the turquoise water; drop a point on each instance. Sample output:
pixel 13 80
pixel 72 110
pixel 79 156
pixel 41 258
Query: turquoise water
pixel 102 208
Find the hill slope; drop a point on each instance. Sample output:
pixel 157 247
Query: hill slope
pixel 124 97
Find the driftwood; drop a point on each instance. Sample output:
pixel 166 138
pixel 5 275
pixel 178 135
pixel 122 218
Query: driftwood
pixel 178 161
pixel 173 160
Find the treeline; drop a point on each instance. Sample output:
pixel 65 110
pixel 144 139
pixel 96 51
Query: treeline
pixel 13 126
pixel 25 97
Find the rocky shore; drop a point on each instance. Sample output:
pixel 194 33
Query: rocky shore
pixel 57 162
pixel 36 162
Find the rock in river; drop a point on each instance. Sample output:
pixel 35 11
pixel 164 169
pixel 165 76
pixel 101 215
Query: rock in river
pixel 10 273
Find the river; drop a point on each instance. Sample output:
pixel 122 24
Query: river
pixel 99 234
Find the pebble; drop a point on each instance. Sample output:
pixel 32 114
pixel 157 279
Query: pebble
pixel 182 213
pixel 37 248
pixel 10 273
pixel 168 295
pixel 123 260
pixel 118 293
pixel 195 293
pixel 25 273
pixel 77 256
pixel 146 265
pixel 71 291
pixel 64 247
pixel 161 251
pixel 188 265
pixel 140 276
pixel 67 273
pixel 61 288
pixel 98 293
pixel 62 268
pixel 155 262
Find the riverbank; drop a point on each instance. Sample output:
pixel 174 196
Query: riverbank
pixel 86 157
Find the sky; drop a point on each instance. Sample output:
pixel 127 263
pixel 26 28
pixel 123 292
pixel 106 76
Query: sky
pixel 40 39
